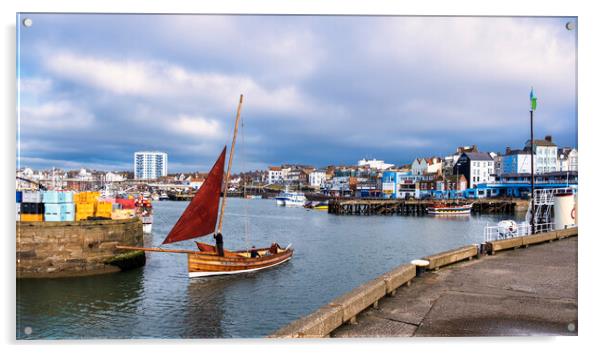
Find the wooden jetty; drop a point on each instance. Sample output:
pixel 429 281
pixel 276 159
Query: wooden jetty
pixel 368 207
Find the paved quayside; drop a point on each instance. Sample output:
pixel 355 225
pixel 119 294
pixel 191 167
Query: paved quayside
pixel 528 291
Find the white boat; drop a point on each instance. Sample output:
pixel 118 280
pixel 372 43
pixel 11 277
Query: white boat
pixel 291 199
pixel 147 224
pixel 442 209
pixel 144 210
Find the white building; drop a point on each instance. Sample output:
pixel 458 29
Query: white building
pixel 150 165
pixel 275 175
pixel 422 166
pixel 546 154
pixel 374 164
pixel 567 160
pixel 477 168
pixel 434 166
pixel 113 177
pixel 317 178
pixel 84 175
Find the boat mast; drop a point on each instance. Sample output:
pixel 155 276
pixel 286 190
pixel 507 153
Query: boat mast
pixel 223 207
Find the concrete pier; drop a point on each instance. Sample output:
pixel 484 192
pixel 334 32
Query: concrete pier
pixel 528 291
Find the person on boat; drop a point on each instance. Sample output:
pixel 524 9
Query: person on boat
pixel 254 253
pixel 274 248
pixel 219 243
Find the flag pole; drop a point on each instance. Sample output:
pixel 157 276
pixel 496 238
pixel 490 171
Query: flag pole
pixel 533 99
pixel 532 180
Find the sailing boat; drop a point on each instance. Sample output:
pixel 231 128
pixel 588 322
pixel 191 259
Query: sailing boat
pixel 199 219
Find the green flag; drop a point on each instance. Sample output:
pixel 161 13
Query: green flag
pixel 533 100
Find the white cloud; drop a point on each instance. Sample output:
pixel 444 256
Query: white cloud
pixel 34 86
pixel 58 115
pixel 160 80
pixel 535 52
pixel 196 126
pixel 275 48
pixel 69 164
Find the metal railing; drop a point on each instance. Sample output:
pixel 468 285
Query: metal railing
pixel 496 232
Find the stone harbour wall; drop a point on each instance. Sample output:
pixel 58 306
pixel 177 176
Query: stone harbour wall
pixel 62 249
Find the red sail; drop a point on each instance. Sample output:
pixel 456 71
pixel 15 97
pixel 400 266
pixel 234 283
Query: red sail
pixel 200 216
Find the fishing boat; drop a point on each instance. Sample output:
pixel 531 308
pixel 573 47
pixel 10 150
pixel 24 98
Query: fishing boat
pixel 163 196
pixel 290 199
pixel 200 218
pixel 443 209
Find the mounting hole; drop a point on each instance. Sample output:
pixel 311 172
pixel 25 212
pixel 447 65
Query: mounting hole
pixel 27 330
pixel 27 22
pixel 570 25
pixel 571 327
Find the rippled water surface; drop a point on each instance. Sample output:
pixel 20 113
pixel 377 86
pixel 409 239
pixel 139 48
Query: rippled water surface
pixel 333 254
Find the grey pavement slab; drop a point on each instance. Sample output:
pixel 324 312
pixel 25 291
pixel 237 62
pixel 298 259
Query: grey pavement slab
pixel 528 291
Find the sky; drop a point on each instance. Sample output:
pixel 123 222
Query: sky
pixel 318 90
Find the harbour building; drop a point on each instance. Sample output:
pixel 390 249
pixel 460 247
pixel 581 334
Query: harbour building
pixel 150 165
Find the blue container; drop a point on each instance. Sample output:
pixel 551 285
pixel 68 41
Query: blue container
pixel 67 212
pixel 51 197
pixel 52 217
pixel 19 196
pixel 52 212
pixel 67 208
pixel 68 217
pixel 67 197
pixel 53 208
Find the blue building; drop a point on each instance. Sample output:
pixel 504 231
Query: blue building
pixel 398 184
pixel 519 184
pixel 516 162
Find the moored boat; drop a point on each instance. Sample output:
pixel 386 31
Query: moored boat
pixel 144 210
pixel 200 218
pixel 443 209
pixel 317 205
pixel 291 199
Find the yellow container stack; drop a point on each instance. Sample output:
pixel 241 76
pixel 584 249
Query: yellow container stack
pixel 83 211
pixel 103 209
pixel 32 217
pixel 86 197
pixel 85 203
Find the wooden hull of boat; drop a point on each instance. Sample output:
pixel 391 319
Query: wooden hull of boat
pixel 208 264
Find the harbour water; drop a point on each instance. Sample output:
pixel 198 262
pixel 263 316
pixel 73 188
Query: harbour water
pixel 333 254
